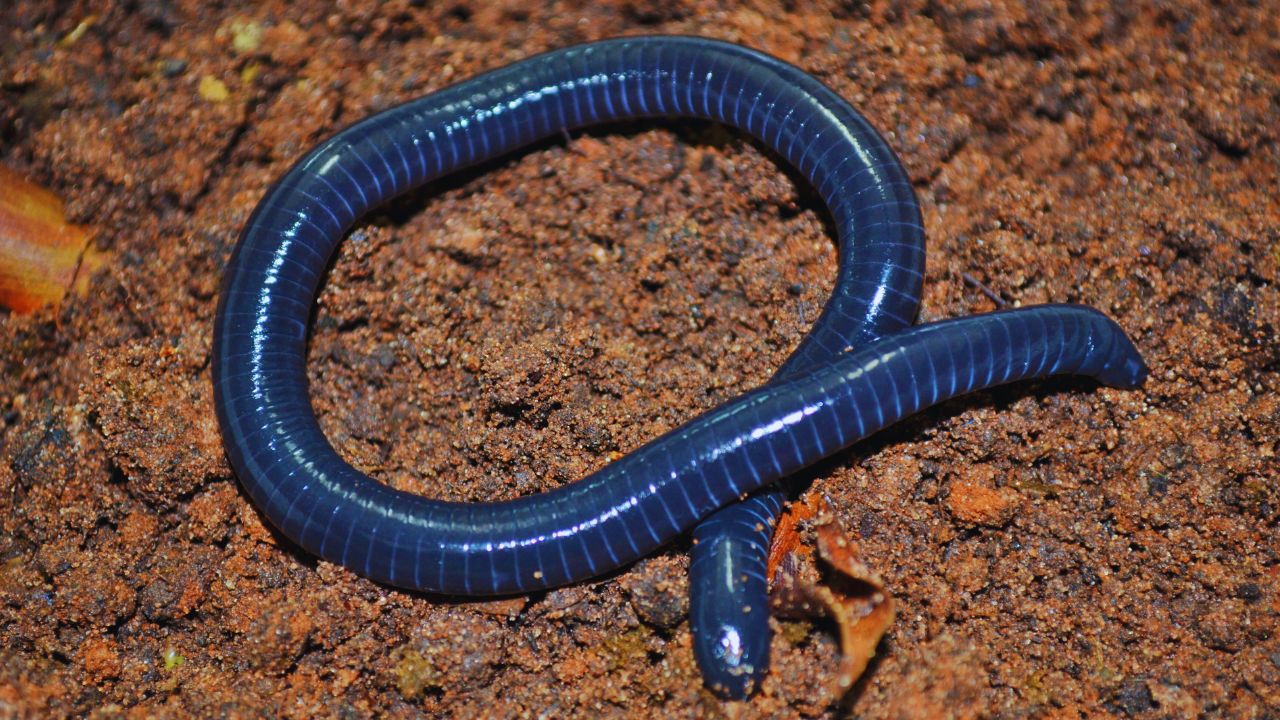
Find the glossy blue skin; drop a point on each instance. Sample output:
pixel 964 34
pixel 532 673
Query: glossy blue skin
pixel 630 507
pixel 729 593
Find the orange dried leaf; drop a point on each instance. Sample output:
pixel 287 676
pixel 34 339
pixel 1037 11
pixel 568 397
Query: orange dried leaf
pixel 786 538
pixel 42 257
pixel 864 616
pixel 851 594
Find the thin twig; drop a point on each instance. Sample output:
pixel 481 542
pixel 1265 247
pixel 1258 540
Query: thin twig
pixel 999 301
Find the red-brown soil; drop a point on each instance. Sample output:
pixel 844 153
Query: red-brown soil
pixel 1055 549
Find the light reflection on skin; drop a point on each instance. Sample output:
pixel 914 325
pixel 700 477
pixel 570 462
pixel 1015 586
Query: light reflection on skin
pixel 730 645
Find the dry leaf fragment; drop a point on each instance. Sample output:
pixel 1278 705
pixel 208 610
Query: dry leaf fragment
pixel 851 594
pixel 502 607
pixel 41 255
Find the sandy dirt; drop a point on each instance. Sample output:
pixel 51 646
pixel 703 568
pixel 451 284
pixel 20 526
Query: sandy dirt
pixel 1056 549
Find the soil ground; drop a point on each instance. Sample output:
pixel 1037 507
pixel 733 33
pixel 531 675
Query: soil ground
pixel 1056 549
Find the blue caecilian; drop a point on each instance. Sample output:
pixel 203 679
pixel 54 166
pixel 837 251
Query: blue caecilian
pixel 859 369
